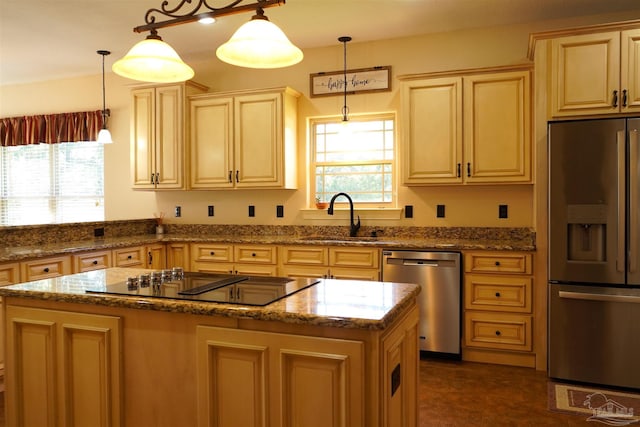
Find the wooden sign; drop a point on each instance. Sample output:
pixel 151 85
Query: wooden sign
pixel 363 80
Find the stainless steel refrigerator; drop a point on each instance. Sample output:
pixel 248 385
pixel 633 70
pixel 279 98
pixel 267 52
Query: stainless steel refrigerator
pixel 594 257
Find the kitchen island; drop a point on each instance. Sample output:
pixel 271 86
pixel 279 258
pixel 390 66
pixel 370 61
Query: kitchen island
pixel 338 353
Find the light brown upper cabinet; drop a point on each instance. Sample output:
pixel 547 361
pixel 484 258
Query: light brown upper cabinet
pixel 467 128
pixel 157 135
pixel 595 73
pixel 243 139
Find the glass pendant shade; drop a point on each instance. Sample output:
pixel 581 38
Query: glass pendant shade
pixel 153 60
pixel 104 136
pixel 259 44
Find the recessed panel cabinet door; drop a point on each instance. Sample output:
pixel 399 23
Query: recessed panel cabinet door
pixel 585 74
pixel 630 70
pixel 63 369
pixel 142 138
pixel 497 127
pixel 258 131
pixel 169 136
pixel 211 143
pixel 432 122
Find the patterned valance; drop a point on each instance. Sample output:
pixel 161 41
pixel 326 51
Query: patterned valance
pixel 50 128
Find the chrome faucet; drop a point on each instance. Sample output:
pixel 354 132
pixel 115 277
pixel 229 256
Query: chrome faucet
pixel 353 227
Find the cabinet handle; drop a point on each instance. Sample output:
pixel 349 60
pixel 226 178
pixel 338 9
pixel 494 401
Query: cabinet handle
pixel 497 294
pixel 230 172
pixel 150 258
pixel 615 98
pixel 46 270
pixel 624 98
pixel 468 169
pixel 237 180
pixel 153 178
pixel 497 333
pixel 95 262
pixel 458 171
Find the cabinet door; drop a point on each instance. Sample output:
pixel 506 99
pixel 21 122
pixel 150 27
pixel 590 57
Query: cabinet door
pixel 211 143
pixel 432 131
pixel 251 378
pixel 82 387
pixel 497 127
pixel 169 136
pixel 584 74
pixel 142 138
pixel 178 255
pixel 9 273
pixel 156 256
pixel 630 70
pixel 258 150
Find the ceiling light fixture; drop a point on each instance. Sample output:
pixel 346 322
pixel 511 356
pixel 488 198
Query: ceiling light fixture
pixel 153 60
pixel 104 136
pixel 345 109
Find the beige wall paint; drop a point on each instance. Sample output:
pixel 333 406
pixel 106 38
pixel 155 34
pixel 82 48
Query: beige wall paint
pixel 465 206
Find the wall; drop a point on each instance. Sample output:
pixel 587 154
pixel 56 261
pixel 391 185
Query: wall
pixel 465 206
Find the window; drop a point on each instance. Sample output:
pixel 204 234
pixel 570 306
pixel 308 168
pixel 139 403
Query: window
pixel 357 158
pixel 51 183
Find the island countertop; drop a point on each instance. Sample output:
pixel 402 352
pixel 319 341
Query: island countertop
pixel 333 303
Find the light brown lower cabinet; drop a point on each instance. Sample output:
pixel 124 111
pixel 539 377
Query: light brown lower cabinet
pixel 92 365
pixel 63 368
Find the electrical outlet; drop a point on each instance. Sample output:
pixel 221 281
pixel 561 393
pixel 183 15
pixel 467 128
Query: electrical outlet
pixel 98 232
pixel 178 211
pixel 440 211
pixel 279 211
pixel 252 211
pixel 408 211
pixel 210 210
pixel 503 211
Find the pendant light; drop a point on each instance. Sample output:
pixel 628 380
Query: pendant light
pixel 153 60
pixel 259 43
pixel 104 136
pixel 345 109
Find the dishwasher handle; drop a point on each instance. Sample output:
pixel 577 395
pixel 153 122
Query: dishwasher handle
pixel 421 262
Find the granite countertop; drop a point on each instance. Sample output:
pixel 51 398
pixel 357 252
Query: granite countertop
pixel 404 242
pixel 332 303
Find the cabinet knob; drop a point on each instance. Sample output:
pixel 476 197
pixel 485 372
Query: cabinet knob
pixel 497 333
pixel 129 257
pixel 253 255
pixel 497 294
pixel 212 253
pixel 95 262
pixel 497 263
pixel 46 270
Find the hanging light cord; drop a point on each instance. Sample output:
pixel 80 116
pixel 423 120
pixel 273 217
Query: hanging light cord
pixel 345 109
pixel 105 112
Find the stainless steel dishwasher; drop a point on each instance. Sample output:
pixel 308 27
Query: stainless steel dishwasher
pixel 438 273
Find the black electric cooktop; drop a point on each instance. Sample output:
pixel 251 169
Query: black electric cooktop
pixel 208 287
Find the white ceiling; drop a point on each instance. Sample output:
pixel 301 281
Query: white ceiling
pixel 48 39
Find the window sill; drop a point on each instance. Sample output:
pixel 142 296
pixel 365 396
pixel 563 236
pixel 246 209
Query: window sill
pixel 364 213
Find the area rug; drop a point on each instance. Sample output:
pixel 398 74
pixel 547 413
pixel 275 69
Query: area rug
pixel 609 407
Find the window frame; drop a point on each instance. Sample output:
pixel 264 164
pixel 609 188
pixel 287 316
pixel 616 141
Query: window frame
pixel 342 202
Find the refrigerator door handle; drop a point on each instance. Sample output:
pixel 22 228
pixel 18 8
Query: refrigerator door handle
pixel 620 251
pixel 633 200
pixel 598 297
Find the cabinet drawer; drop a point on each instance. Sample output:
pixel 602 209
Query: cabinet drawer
pixel 129 257
pixel 498 331
pixel 503 293
pixel 45 268
pixel 304 255
pixel 9 274
pixel 212 253
pixel 499 262
pixel 255 254
pixel 346 273
pixel 91 261
pixel 354 257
